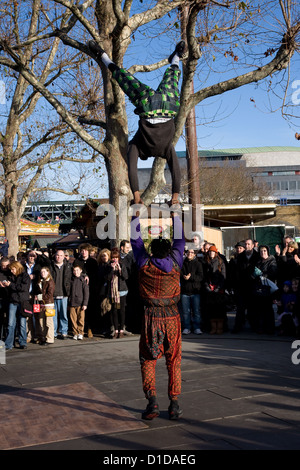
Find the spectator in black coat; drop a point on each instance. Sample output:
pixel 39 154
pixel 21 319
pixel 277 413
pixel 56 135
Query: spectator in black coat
pixel 4 295
pixel 191 277
pixel 4 248
pixel 288 262
pixel 244 285
pixel 267 263
pixel 103 289
pixel 263 317
pixel 19 284
pixel 89 267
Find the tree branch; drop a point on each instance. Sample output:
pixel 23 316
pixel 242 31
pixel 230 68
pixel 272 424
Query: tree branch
pixel 280 62
pixel 66 116
pixel 92 122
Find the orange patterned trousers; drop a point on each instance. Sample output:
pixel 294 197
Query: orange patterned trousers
pixel 161 336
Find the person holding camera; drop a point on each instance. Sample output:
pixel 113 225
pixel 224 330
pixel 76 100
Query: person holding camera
pixel 118 293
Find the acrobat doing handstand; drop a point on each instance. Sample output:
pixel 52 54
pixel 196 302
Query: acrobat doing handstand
pixel 156 110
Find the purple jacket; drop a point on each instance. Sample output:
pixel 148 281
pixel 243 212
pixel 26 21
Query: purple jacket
pixel 165 264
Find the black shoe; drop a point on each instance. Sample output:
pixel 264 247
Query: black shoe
pixel 179 50
pixel 23 347
pixel 95 49
pixel 152 410
pixel 174 411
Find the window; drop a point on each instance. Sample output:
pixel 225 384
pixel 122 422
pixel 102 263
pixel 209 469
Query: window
pixel 283 173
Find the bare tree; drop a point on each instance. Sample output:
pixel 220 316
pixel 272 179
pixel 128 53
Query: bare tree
pixel 228 184
pixel 33 137
pixel 256 44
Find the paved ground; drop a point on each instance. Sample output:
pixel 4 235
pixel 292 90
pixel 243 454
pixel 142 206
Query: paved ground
pixel 239 392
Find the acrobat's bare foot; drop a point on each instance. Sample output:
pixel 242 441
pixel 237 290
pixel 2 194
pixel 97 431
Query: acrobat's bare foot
pixel 297 136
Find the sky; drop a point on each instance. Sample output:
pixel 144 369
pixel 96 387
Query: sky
pixel 242 117
pixel 244 121
pixel 247 124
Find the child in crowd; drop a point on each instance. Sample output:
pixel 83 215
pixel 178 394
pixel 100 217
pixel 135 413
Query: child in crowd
pixel 286 305
pixel 78 301
pixel 45 291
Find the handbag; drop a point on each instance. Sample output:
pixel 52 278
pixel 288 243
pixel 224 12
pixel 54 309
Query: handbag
pixel 36 307
pixel 271 284
pixel 26 309
pixel 49 310
pixel 105 306
pixel 262 289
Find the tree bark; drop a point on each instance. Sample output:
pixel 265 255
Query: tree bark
pixel 12 224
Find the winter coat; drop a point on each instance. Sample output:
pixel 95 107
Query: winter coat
pixel 66 273
pixel 19 288
pixel 104 276
pixel 90 268
pixel 193 284
pixel 122 276
pixel 244 280
pixel 46 287
pixel 215 273
pixel 79 292
pixel 268 267
pixel 288 268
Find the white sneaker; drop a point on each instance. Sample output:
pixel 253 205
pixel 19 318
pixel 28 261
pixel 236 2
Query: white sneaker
pixel 79 337
pixel 198 331
pixel 75 337
pixel 186 331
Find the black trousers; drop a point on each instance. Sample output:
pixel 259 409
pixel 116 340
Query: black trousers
pixel 172 161
pixel 117 315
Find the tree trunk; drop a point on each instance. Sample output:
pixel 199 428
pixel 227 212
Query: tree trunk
pixel 11 222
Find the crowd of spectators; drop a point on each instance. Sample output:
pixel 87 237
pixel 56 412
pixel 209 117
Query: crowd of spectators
pixel 95 291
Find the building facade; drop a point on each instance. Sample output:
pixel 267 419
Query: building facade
pixel 277 167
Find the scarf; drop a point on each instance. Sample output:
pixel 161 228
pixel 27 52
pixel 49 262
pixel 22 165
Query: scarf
pixel 114 289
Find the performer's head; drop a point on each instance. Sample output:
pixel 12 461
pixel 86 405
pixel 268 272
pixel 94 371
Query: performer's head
pixel 160 247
